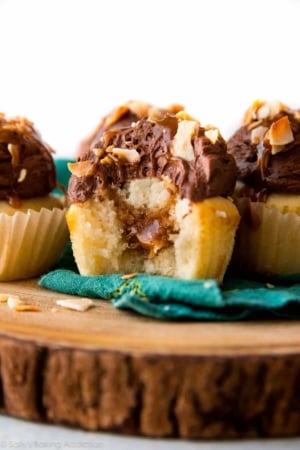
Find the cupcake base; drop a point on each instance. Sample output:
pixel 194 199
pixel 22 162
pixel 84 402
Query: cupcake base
pixel 31 242
pixel 147 228
pixel 268 238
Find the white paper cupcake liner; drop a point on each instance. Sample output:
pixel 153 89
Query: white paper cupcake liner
pixel 269 243
pixel 31 242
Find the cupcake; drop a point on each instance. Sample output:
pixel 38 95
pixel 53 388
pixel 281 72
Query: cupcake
pixel 123 116
pixel 154 197
pixel 32 221
pixel 267 152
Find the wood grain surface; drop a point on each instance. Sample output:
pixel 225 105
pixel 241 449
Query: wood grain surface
pixel 106 369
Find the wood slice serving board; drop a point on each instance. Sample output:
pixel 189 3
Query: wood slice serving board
pixel 106 369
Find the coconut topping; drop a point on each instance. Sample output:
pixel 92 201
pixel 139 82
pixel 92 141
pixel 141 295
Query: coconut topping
pixel 26 165
pixel 175 147
pixel 267 148
pixel 124 116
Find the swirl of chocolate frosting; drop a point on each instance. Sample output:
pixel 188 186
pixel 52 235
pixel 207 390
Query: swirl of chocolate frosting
pixel 267 149
pixel 153 147
pixel 26 165
pixel 123 116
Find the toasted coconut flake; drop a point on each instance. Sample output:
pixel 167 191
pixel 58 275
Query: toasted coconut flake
pixel 77 304
pixel 13 301
pixel 257 134
pixel 182 143
pixel 251 113
pixel 263 112
pixel 106 160
pixel 131 156
pixel 276 107
pixel 23 307
pixel 270 109
pixel 182 115
pixel 212 134
pixel 175 108
pixel 280 132
pixel 22 175
pixel 81 168
pixel 98 152
pixel 14 150
pixel 140 109
pixel 154 114
pixel 115 115
pixel 260 110
pixel 129 275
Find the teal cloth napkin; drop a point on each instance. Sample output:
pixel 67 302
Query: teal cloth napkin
pixel 168 298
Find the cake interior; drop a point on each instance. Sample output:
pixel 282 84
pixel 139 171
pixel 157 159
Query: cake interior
pixel 146 227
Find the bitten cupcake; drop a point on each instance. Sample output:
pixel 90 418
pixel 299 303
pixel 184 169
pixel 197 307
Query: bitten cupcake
pixel 32 221
pixel 154 197
pixel 267 151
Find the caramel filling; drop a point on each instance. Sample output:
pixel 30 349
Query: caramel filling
pixel 147 228
pixel 150 231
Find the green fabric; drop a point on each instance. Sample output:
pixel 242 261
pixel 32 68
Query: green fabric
pixel 171 299
pixel 62 174
pixel 167 298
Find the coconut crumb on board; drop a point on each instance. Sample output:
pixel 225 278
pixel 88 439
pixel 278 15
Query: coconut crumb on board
pixel 77 304
pixel 129 275
pixel 25 307
pixel 15 303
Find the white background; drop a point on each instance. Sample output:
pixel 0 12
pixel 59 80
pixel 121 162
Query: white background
pixel 65 63
pixel 18 434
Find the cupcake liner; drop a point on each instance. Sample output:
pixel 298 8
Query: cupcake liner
pixel 31 242
pixel 267 241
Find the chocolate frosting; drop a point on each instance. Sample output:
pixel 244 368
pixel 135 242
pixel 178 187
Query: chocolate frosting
pixel 212 171
pixel 26 165
pixel 123 116
pixel 124 121
pixel 261 170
